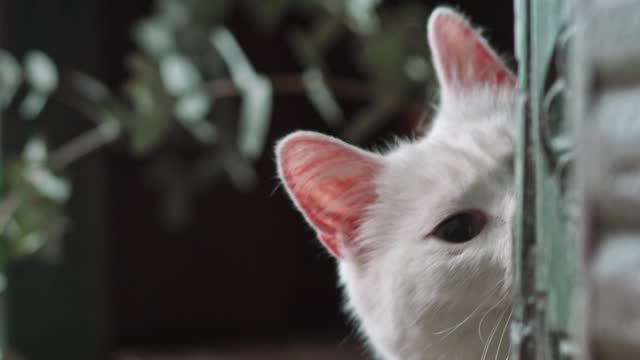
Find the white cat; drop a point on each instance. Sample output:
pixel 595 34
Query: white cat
pixel 422 233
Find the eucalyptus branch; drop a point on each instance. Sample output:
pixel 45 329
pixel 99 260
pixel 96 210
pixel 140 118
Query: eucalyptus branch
pixel 283 84
pixel 87 96
pixel 78 104
pixel 80 146
pixel 84 94
pixel 293 84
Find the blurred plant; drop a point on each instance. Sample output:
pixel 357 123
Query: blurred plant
pixel 187 66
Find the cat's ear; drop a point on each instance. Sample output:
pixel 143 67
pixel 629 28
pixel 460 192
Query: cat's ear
pixel 462 57
pixel 331 183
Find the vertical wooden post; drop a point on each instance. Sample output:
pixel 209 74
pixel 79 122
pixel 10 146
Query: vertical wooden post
pixel 544 249
pixel 522 335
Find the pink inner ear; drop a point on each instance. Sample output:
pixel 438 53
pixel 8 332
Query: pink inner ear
pixel 331 183
pixel 461 56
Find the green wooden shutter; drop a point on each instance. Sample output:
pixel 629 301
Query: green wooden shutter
pixel 544 248
pixel 577 241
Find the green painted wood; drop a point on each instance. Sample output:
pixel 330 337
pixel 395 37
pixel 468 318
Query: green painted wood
pixel 522 336
pixel 544 247
pixel 556 251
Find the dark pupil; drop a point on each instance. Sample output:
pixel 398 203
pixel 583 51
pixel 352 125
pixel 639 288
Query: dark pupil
pixel 460 228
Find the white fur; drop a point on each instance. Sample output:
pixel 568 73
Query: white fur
pixel 417 297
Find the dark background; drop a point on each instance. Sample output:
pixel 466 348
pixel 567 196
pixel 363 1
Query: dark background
pixel 245 271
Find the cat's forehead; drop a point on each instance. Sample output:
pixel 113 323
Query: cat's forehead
pixel 476 133
pixel 470 136
pixel 462 154
pixel 474 162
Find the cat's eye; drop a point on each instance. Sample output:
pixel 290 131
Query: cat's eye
pixel 461 227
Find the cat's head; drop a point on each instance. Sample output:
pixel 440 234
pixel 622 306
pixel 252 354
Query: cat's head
pixel 422 233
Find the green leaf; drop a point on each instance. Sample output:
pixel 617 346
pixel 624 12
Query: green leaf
pixel 179 74
pixel 37 228
pixel 10 78
pixel 191 111
pixel 363 14
pixel 33 104
pixel 47 184
pixel 147 130
pixel 38 222
pixel 35 151
pixel 321 96
pixel 40 71
pixel 41 179
pixel 206 13
pixel 242 175
pixel 203 131
pixel 257 94
pixel 26 243
pixel 255 116
pixel 239 66
pixel 110 126
pixel 154 36
pixel 417 68
pixel 150 121
pixel 90 87
pixel 193 107
pixel 176 13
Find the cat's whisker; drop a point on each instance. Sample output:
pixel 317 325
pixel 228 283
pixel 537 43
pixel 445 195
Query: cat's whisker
pixel 498 303
pixel 502 335
pixel 452 329
pixel 276 188
pixel 493 332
